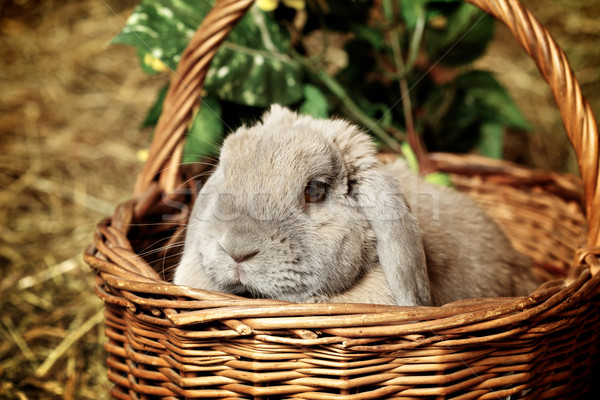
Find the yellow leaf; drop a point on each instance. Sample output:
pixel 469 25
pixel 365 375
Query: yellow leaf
pixel 154 63
pixel 267 5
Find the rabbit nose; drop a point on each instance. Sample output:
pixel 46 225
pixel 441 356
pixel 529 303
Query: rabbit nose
pixel 238 247
pixel 240 258
pixel 239 255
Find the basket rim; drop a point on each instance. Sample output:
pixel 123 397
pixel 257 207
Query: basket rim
pixel 142 288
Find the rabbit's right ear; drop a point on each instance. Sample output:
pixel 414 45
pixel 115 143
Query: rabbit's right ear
pixel 399 240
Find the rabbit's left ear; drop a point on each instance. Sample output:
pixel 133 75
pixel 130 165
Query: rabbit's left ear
pixel 399 241
pixel 376 191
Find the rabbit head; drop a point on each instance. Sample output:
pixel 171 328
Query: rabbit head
pixel 299 209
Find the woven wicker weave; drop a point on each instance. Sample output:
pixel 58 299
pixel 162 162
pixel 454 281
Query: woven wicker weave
pixel 167 341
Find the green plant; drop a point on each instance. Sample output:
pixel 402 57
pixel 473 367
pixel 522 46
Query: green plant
pixel 394 67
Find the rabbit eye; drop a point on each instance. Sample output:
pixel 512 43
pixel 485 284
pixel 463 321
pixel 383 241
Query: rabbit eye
pixel 315 191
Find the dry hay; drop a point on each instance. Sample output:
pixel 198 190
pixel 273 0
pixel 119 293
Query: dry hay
pixel 70 107
pixel 70 111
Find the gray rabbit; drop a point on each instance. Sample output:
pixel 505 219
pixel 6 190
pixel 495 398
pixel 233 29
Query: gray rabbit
pixel 301 209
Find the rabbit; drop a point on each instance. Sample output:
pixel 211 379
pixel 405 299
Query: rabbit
pixel 302 210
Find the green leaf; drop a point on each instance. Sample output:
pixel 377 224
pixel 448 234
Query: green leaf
pixel 205 133
pixel 439 178
pixel 410 156
pixel 412 11
pixel 252 67
pixel 495 102
pixel 449 122
pixel 467 31
pixel 315 103
pixel 162 28
pixel 460 113
pixel 491 141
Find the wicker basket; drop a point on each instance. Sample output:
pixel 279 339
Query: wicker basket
pixel 167 341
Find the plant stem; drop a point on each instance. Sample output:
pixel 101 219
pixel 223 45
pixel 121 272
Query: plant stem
pixel 338 90
pixel 369 123
pixel 412 136
pixel 415 43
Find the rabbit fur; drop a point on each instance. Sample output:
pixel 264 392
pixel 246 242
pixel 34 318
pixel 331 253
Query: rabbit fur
pixel 380 235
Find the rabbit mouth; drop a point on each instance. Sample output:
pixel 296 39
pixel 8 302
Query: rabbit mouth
pixel 248 290
pixel 239 284
pixel 244 291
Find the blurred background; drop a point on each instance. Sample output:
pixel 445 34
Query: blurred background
pixel 70 110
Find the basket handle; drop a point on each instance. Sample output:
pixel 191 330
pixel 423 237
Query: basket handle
pixel 184 93
pixel 576 113
pixel 166 149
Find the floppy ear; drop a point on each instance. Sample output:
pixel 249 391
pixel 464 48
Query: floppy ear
pixel 377 194
pixel 399 241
